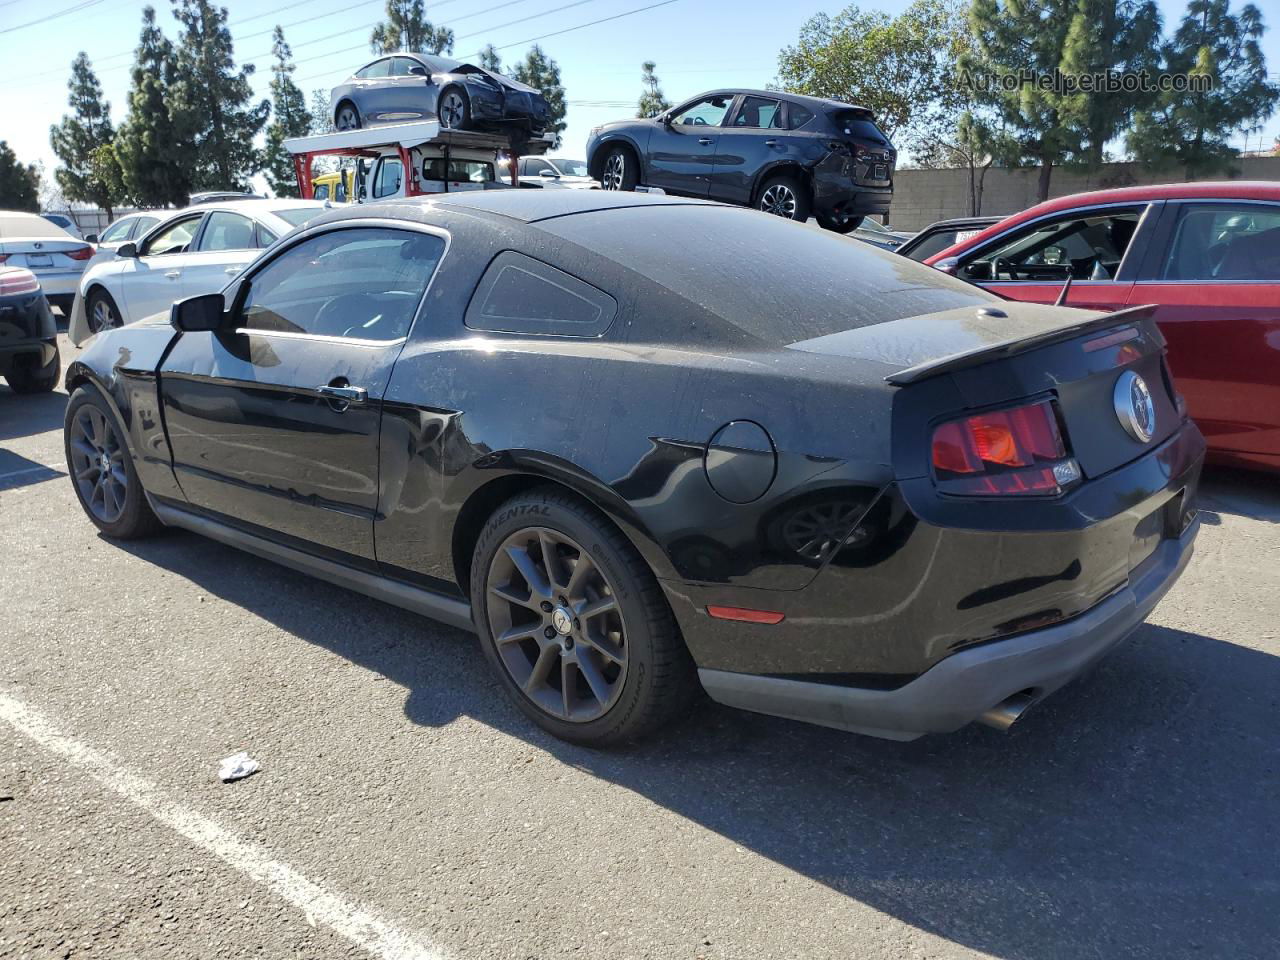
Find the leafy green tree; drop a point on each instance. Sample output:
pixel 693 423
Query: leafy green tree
pixel 155 153
pixel 1028 35
pixel 895 66
pixel 490 59
pixel 290 118
pixel 78 137
pixel 1190 130
pixel 652 102
pixel 19 182
pixel 1115 35
pixel 408 29
pixel 539 71
pixel 213 99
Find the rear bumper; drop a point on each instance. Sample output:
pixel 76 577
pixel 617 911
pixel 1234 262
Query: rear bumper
pixel 960 688
pixel 840 198
pixel 59 283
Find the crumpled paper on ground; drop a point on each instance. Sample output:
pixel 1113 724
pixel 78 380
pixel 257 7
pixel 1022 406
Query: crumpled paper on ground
pixel 237 767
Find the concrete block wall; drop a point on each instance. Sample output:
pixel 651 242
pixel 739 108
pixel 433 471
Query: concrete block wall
pixel 921 197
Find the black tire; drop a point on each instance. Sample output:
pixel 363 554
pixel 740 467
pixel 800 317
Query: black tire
pixel 840 226
pixel 453 109
pixel 101 312
pixel 134 518
pixel 619 170
pixel 346 117
pixel 26 377
pixel 784 195
pixel 656 679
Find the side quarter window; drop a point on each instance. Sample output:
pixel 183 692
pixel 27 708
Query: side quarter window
pixel 518 294
pixel 1225 241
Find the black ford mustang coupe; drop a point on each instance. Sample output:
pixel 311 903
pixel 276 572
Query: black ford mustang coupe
pixel 847 489
pixel 422 86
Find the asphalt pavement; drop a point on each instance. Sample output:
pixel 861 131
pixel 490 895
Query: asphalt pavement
pixel 405 809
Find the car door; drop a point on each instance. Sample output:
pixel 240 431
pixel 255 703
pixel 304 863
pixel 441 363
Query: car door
pixel 751 140
pixel 1213 272
pixel 373 85
pixel 151 281
pixel 227 244
pixel 682 149
pixel 408 96
pixel 1091 245
pixel 273 422
pixel 388 179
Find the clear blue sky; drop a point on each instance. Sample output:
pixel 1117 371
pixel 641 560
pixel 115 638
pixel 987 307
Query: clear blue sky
pixel 698 45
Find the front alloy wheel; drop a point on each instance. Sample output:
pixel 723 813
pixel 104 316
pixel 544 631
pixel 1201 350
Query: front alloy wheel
pixel 557 624
pixel 615 171
pixel 97 464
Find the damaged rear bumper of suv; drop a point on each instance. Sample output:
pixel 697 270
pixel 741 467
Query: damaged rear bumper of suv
pixel 967 685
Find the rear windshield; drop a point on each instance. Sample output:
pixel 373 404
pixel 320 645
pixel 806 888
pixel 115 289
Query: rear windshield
pixel 810 283
pixel 854 123
pixel 297 216
pixel 29 225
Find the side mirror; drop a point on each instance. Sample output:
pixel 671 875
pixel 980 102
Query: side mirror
pixel 129 249
pixel 549 174
pixel 198 314
pixel 91 238
pixel 417 71
pixel 666 119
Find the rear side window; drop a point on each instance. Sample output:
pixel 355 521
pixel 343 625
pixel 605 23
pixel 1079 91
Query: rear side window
pixel 518 294
pixel 798 116
pixel 379 68
pixel 759 112
pixel 227 231
pixel 1225 241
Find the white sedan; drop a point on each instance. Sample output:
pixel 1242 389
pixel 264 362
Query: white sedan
pixel 192 251
pixel 57 259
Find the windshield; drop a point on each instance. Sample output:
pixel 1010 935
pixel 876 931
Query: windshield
pixel 297 216
pixel 570 168
pixel 439 64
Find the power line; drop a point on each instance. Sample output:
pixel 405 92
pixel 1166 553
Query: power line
pixel 53 16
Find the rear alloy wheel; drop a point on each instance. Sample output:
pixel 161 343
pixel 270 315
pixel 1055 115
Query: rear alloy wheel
pixel 102 470
pixel 101 311
pixel 783 196
pixel 347 118
pixel 575 622
pixel 619 171
pixel 453 110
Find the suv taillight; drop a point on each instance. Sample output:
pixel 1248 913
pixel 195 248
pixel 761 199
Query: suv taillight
pixel 1019 452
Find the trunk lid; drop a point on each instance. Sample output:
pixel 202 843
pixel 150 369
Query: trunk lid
pixel 42 253
pixel 1003 354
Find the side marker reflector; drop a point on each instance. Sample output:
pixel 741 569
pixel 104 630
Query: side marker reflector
pixel 744 615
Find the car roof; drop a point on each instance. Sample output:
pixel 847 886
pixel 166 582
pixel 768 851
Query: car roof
pixel 531 206
pixel 815 103
pixel 1202 190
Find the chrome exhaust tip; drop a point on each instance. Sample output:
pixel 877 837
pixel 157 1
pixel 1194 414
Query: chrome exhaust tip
pixel 1007 712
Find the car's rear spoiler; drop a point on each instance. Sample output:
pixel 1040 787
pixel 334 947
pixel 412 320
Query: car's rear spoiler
pixel 995 351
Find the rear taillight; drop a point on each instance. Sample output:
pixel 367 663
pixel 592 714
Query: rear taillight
pixel 3 257
pixel 80 253
pixel 1019 451
pixel 14 282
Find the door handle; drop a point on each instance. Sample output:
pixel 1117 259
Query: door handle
pixel 705 140
pixel 173 274
pixel 771 143
pixel 345 395
pixel 233 270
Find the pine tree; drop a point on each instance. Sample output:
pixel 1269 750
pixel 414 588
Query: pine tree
pixel 212 98
pixel 321 111
pixel 1117 35
pixel 77 138
pixel 543 74
pixel 652 102
pixel 19 182
pixel 1017 35
pixel 155 153
pixel 489 58
pixel 1191 130
pixel 408 29
pixel 290 118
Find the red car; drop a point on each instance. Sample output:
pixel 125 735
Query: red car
pixel 1206 254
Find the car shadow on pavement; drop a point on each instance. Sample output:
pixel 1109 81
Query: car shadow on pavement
pixel 1254 495
pixel 1132 814
pixel 30 414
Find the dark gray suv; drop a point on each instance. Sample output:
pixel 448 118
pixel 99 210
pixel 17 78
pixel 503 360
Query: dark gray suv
pixel 783 153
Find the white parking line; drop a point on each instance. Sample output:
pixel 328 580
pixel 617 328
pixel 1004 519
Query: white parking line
pixel 24 470
pixel 365 929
